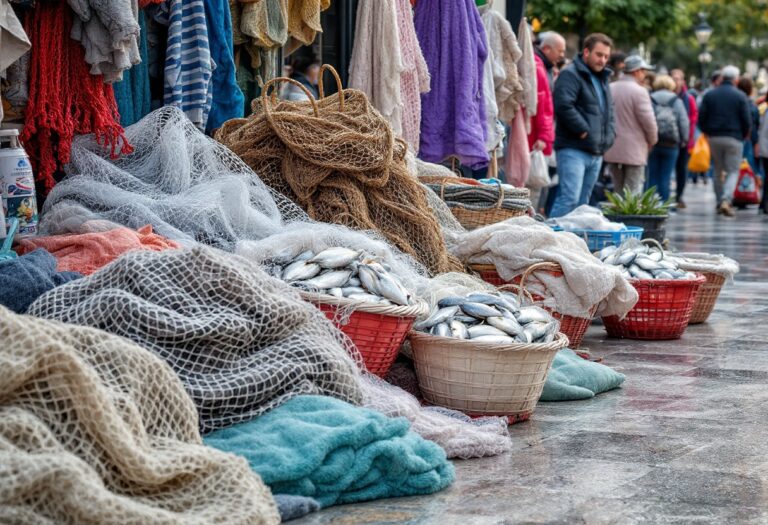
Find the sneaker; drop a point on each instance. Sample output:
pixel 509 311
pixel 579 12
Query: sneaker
pixel 726 209
pixel 681 205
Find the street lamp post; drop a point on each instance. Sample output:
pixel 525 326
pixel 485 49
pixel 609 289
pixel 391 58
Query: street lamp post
pixel 703 31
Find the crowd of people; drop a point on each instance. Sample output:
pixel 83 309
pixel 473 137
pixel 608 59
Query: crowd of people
pixel 612 114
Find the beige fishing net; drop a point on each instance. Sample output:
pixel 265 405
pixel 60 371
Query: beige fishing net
pixel 96 430
pixel 339 160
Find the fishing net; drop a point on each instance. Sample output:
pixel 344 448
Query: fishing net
pixel 187 186
pixel 95 429
pixel 241 342
pixel 705 262
pixel 337 157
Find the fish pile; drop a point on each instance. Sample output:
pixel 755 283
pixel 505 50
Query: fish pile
pixel 490 318
pixel 342 273
pixel 640 261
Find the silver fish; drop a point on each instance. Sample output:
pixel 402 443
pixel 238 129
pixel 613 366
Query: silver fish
pixel 511 299
pixel 442 315
pixel 301 271
pixel 606 251
pixel 369 279
pixel 646 263
pixel 442 330
pixel 611 259
pixel 667 265
pixel 336 292
pixel 466 319
pixel 507 326
pixel 458 330
pixel 483 329
pixel 348 290
pixel 524 337
pixel 538 331
pixel 479 310
pixel 531 314
pixel 364 297
pixel 334 279
pixel 452 300
pixel 663 274
pixel 354 281
pixel 335 257
pixel 497 339
pixel 493 300
pixel 626 258
pixel 656 255
pixel 393 290
pixel 639 273
pixel 305 256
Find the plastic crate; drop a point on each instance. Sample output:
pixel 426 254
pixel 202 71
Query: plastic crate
pixel 598 239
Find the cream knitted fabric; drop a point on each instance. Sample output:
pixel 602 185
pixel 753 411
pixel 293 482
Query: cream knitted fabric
pixel 95 430
pixel 414 79
pixel 527 69
pixel 506 54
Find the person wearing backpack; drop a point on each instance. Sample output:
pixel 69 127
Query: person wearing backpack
pixel 673 127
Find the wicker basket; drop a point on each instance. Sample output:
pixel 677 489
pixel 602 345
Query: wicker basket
pixel 707 297
pixel 377 331
pixel 574 327
pixel 482 379
pixel 477 218
pixel 661 313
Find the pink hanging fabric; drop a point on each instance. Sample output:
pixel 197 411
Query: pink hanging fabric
pixel 517 160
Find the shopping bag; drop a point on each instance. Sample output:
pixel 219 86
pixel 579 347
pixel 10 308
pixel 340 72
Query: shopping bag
pixel 700 156
pixel 539 173
pixel 747 189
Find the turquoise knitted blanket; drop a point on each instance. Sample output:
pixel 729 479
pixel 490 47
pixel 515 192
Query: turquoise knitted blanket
pixel 337 453
pixel 572 377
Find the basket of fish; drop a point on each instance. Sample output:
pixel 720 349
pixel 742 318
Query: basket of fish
pixel 667 293
pixel 717 269
pixel 475 206
pixel 361 296
pixel 485 354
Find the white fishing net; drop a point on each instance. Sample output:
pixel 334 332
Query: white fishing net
pixel 586 217
pixel 95 430
pixel 515 244
pixel 445 218
pixel 187 186
pixel 241 341
pixel 705 262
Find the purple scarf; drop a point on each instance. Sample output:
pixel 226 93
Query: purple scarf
pixel 453 41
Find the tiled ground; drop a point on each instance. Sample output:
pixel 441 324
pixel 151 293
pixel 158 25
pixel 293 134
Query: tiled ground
pixel 684 441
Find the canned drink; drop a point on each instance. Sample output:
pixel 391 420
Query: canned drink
pixel 17 182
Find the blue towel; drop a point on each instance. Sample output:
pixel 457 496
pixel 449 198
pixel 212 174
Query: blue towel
pixel 337 453
pixel 228 100
pixel 25 278
pixel 572 377
pixel 134 101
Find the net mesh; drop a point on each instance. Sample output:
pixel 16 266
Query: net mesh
pixel 94 429
pixel 241 341
pixel 339 160
pixel 187 186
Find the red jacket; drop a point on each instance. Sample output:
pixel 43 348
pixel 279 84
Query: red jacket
pixel 543 124
pixel 693 115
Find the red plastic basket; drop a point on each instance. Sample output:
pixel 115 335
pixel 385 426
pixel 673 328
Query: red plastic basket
pixel 573 327
pixel 378 337
pixel 661 313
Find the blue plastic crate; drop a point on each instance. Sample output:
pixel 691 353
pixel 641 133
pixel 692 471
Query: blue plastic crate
pixel 598 239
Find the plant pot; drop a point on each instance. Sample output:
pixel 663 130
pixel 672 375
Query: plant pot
pixel 654 226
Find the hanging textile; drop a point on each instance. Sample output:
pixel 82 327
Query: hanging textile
pixel 134 100
pixel 506 54
pixel 304 22
pixel 109 33
pixel 227 97
pixel 527 69
pixel 188 64
pixel 453 122
pixel 262 28
pixel 493 75
pixel 414 78
pixel 64 98
pixel 517 158
pixel 13 40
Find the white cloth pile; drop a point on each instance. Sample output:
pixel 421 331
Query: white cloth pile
pixel 516 244
pixel 586 217
pixel 95 429
pixel 705 262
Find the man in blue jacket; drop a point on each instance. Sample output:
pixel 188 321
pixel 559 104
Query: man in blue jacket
pixel 724 116
pixel 585 123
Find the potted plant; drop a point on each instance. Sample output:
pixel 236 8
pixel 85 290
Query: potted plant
pixel 646 210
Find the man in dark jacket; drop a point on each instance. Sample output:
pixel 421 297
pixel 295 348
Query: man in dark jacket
pixel 585 123
pixel 725 118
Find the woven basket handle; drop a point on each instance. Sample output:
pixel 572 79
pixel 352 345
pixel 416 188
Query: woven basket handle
pixel 519 290
pixel 501 194
pixel 277 80
pixel 339 87
pixel 652 242
pixel 549 266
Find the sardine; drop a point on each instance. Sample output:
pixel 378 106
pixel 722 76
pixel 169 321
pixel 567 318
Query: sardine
pixel 496 339
pixel 369 279
pixel 354 281
pixel 489 299
pixel 667 265
pixel 442 315
pixel 392 290
pixel 656 255
pixel 442 330
pixel 304 256
pixel 335 279
pixel 334 258
pixel 301 271
pixel 524 337
pixel 452 300
pixel 626 258
pixel 507 326
pixel 466 319
pixel 364 297
pixel 531 314
pixel 458 330
pixel 536 330
pixel 606 251
pixel 481 311
pixel 484 330
pixel 611 259
pixel 336 292
pixel 646 263
pixel 639 273
pixel 349 290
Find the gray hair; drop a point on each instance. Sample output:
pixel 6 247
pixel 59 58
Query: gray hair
pixel 730 73
pixel 550 39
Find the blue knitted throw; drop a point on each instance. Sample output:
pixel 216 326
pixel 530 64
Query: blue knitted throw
pixel 337 453
pixel 572 377
pixel 25 278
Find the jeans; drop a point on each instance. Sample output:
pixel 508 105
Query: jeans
pixel 726 156
pixel 764 201
pixel 661 165
pixel 629 177
pixel 578 171
pixel 681 172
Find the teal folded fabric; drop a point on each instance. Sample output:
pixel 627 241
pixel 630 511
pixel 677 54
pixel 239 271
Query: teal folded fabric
pixel 327 449
pixel 572 377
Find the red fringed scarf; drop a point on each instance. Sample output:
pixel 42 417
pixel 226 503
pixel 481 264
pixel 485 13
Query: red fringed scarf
pixel 64 98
